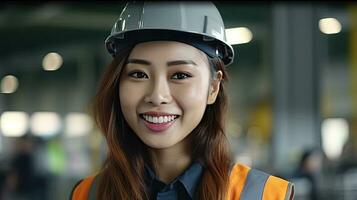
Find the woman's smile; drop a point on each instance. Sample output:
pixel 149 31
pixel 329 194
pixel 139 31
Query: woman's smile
pixel 158 122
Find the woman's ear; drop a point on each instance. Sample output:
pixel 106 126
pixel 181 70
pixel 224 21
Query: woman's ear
pixel 214 87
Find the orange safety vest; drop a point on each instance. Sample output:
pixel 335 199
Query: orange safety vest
pixel 244 184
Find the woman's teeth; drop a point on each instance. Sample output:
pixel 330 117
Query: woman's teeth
pixel 159 120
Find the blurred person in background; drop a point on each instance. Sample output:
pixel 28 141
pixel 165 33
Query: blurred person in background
pixel 309 168
pixel 161 106
pixel 348 159
pixel 22 182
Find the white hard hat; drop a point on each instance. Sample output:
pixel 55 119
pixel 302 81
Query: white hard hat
pixel 196 23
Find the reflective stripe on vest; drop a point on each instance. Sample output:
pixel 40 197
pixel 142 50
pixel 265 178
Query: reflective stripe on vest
pixel 93 188
pixel 254 185
pixel 244 184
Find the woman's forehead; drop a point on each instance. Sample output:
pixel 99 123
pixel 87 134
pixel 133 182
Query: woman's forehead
pixel 166 51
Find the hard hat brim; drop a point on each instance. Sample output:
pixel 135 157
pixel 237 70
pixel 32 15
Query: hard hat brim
pixel 213 47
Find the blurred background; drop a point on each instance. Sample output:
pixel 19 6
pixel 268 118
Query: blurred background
pixel 293 94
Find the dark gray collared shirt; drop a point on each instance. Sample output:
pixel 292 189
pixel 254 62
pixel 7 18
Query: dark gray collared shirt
pixel 182 187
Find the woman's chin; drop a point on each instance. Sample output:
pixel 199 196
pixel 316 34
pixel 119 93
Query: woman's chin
pixel 159 145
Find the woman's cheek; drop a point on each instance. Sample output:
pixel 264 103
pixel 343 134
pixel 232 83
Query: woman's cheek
pixel 129 94
pixel 123 94
pixel 191 94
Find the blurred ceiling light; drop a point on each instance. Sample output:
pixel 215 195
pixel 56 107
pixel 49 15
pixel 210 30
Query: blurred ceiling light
pixel 9 84
pixel 45 124
pixel 14 124
pixel 52 61
pixel 335 133
pixel 239 35
pixel 329 25
pixel 77 124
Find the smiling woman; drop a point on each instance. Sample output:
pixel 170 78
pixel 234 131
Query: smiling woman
pixel 169 86
pixel 161 106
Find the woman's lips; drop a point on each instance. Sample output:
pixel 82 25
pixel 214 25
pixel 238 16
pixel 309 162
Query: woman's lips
pixel 159 127
pixel 158 122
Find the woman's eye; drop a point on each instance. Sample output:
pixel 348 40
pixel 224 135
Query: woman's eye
pixel 181 75
pixel 138 75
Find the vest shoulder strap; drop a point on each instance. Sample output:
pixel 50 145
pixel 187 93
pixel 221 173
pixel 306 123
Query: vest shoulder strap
pixel 246 183
pixel 83 191
pixel 277 188
pixel 237 180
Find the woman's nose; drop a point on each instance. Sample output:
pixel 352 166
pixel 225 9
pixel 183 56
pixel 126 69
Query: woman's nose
pixel 159 93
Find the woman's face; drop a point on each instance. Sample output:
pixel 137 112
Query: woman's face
pixel 164 89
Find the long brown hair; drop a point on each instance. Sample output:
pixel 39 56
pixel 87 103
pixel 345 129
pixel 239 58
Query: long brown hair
pixel 122 175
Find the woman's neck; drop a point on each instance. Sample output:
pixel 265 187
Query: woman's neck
pixel 171 162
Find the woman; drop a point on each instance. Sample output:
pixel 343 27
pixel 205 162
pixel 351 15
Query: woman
pixel 161 106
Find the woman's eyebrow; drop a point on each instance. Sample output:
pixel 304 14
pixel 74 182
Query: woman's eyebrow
pixel 138 61
pixel 169 63
pixel 181 62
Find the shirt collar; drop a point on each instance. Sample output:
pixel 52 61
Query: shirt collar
pixel 190 178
